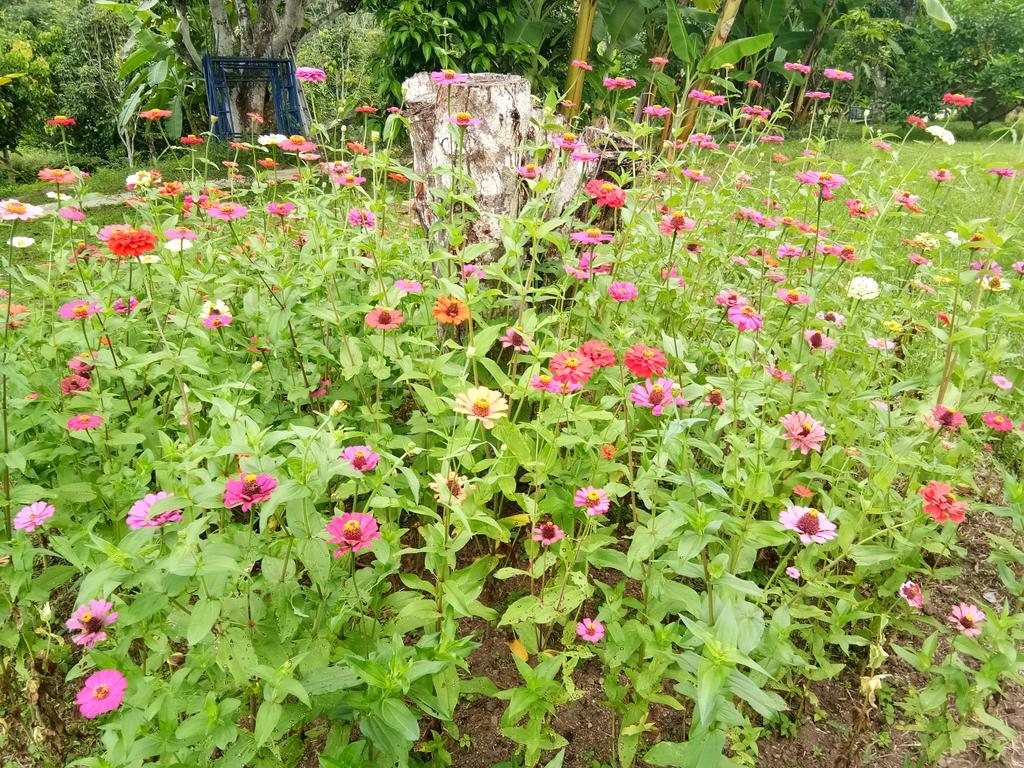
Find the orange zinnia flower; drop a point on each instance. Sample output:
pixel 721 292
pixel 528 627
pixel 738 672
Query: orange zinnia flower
pixel 448 309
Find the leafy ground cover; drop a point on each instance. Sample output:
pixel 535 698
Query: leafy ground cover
pixel 719 465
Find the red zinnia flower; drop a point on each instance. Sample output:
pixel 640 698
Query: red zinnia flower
pixel 130 242
pixel 940 504
pixel 600 354
pixel 645 362
pixel 571 367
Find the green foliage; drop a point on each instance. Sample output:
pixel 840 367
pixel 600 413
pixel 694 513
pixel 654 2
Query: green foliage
pixel 24 99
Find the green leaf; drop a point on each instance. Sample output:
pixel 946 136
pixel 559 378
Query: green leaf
pixel 677 34
pixel 330 680
pixel 266 721
pixel 938 13
pixel 400 718
pixel 204 616
pixel 735 50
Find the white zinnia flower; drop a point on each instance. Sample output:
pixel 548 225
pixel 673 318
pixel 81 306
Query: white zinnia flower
pixel 214 307
pixel 21 242
pixel 863 288
pixel 271 138
pixel 55 196
pixel 149 258
pixel 178 245
pixel 940 133
pixel 141 179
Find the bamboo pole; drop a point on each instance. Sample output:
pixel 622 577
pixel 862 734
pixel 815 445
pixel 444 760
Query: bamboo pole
pixel 580 50
pixel 720 35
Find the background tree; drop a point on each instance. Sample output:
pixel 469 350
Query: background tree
pixel 22 100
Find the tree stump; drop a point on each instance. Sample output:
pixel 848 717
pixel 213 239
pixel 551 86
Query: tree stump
pixel 491 152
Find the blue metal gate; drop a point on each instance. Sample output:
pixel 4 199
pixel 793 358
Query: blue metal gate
pixel 223 73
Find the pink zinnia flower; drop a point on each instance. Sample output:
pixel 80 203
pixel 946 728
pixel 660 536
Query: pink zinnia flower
pixel 792 66
pixel 362 217
pixel 547 533
pixel 793 572
pixel 409 286
pixel 125 307
pixel 967 618
pixel 611 83
pixel 730 299
pixel 590 630
pixel 623 291
pixel 811 524
pixel 70 213
pixel 707 97
pixel 599 353
pixel 464 120
pixel 580 64
pixel 657 110
pixel 353 531
pixel 881 344
pixel 448 77
pixel 32 516
pixel 957 99
pixel 911 592
pixel 997 421
pixel 79 309
pixel 84 421
pixel 837 74
pixel 745 318
pixel 657 395
pixel 1004 173
pixel 803 432
pixel 943 417
pixel 571 367
pixel 594 501
pixel 226 211
pixel 941 175
pixel 384 319
pixel 310 75
pixel 217 320
pixel 792 296
pixel 362 457
pixel 139 514
pixel 1002 382
pixel 248 490
pixel 675 222
pixel 645 362
pixel 592 236
pixel 529 171
pixel 817 340
pixel 15 210
pixel 91 620
pixel 515 340
pixel 817 95
pixel 103 692
pixel 280 209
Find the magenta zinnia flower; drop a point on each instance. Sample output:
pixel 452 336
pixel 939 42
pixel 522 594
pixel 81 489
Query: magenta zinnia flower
pixel 997 421
pixel 280 209
pixel 592 236
pixel 593 500
pixel 310 75
pixel 125 307
pixel 248 490
pixel 547 533
pixel 226 211
pixel 91 620
pixel 515 340
pixel 448 77
pixel 623 291
pixel 139 517
pixel 216 320
pixel 792 296
pixel 803 432
pixel 84 421
pixel 79 309
pixel 590 630
pixel 817 340
pixel 32 516
pixel 353 531
pixel 657 395
pixel 811 524
pixel 103 692
pixel 745 318
pixel 361 217
pixel 361 457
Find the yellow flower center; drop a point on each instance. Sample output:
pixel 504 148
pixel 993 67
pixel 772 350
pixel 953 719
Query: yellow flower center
pixel 250 478
pixel 449 72
pixel 101 692
pixel 16 207
pixel 593 232
pixel 463 117
pixel 352 527
pixel 571 362
pixel 82 310
pixel 568 137
pixel 593 496
pixel 481 404
pixel 296 139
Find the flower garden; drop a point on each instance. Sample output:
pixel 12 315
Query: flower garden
pixel 289 480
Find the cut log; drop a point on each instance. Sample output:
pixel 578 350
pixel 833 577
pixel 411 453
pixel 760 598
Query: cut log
pixel 492 151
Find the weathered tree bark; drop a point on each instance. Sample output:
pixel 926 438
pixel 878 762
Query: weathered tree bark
pixel 491 151
pixel 720 35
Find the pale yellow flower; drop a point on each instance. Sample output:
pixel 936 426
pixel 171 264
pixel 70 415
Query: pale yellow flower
pixel 483 405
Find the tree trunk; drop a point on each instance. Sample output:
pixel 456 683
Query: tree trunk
pixel 580 50
pixel 720 35
pixel 491 150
